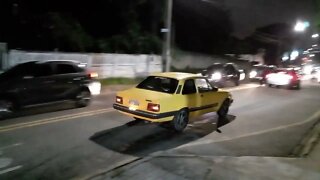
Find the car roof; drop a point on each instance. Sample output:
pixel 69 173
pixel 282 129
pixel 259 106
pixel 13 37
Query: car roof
pixel 177 75
pixel 58 61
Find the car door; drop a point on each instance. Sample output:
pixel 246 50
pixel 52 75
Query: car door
pixel 35 84
pixel 68 80
pixel 208 99
pixel 192 98
pixel 231 72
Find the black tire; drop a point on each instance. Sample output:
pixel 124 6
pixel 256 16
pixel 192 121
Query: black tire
pixel 270 85
pixel 297 87
pixel 7 108
pixel 83 98
pixel 180 120
pixel 224 109
pixel 237 82
pixel 262 82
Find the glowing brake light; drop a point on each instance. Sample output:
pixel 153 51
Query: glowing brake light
pixel 153 107
pixel 119 100
pixel 93 75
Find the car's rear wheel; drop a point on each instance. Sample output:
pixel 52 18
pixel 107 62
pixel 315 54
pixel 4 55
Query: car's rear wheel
pixel 83 98
pixel 224 109
pixel 180 120
pixel 7 108
pixel 297 87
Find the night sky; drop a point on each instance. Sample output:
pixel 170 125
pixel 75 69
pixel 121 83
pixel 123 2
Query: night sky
pixel 107 25
pixel 247 15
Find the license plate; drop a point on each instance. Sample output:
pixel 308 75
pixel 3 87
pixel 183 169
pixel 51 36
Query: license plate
pixel 134 102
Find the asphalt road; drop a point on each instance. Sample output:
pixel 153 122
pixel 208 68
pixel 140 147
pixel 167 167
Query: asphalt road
pixel 60 142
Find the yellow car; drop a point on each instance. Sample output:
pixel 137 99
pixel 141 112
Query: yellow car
pixel 174 98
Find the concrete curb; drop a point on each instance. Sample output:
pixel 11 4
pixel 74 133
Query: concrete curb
pixel 309 141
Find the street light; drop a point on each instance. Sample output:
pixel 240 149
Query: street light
pixel 168 32
pixel 301 26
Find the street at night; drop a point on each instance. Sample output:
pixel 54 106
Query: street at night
pixel 160 90
pixel 62 143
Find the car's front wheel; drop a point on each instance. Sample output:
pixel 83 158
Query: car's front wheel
pixel 83 98
pixel 224 109
pixel 180 120
pixel 6 108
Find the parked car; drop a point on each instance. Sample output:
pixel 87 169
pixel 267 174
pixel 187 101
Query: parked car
pixel 288 78
pixel 219 74
pixel 259 73
pixel 173 98
pixel 38 83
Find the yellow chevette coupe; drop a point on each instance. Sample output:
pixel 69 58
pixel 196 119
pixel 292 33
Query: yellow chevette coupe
pixel 173 98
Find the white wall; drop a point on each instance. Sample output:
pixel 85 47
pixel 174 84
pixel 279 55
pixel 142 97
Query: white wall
pixel 106 65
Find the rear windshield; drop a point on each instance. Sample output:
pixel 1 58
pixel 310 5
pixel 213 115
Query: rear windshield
pixel 159 84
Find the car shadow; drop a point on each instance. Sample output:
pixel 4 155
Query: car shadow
pixel 140 138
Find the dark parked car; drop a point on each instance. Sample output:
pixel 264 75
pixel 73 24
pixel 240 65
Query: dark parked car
pixel 259 73
pixel 38 83
pixel 219 74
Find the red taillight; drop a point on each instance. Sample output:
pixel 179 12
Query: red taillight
pixel 93 75
pixel 119 100
pixel 153 107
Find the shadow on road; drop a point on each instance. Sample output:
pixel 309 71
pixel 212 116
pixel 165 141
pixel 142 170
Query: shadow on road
pixel 139 138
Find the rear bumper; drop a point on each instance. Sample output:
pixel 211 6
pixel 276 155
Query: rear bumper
pixel 160 117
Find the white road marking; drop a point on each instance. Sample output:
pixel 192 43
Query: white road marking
pixel 209 141
pixel 10 169
pixel 4 162
pixel 54 120
pixel 11 146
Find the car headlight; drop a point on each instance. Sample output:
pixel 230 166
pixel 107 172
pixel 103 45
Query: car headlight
pixel 253 74
pixel 216 76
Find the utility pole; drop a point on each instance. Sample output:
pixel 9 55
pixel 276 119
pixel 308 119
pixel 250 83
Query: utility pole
pixel 167 52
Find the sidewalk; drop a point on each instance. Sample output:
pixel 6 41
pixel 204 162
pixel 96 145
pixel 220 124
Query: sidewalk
pixel 165 165
pixel 198 167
